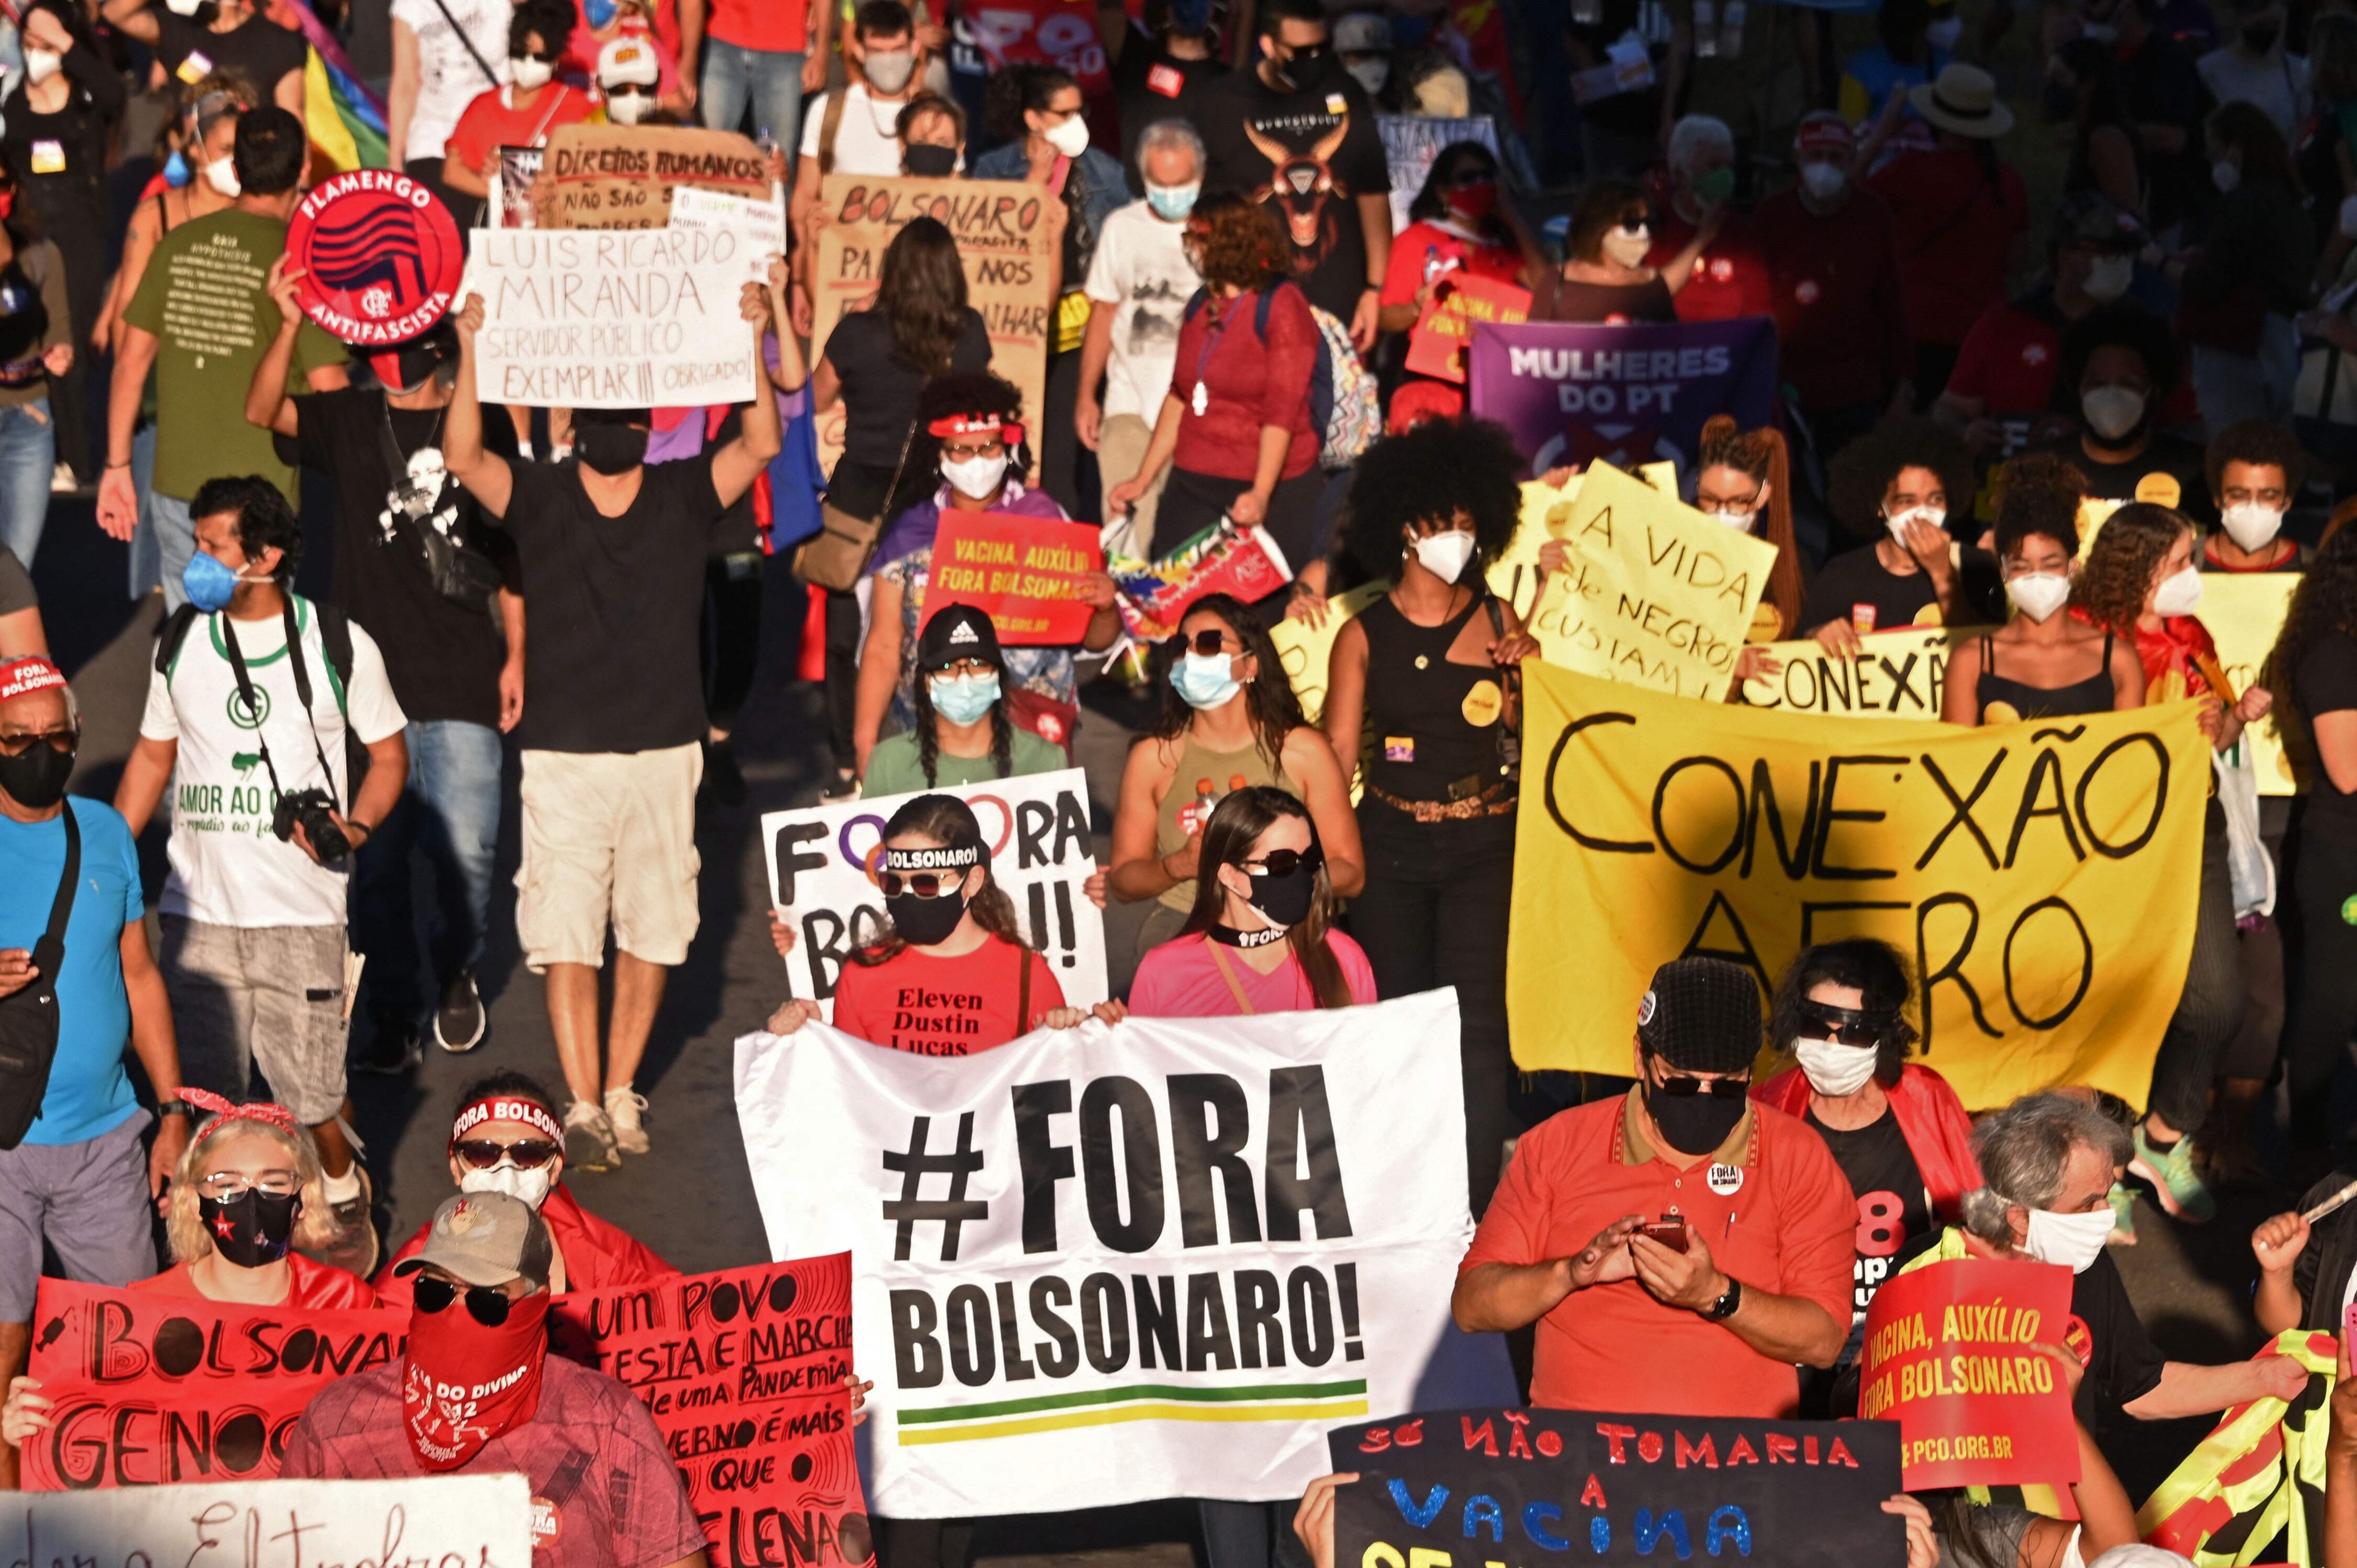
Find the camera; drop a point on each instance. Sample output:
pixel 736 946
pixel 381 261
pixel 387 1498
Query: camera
pixel 312 808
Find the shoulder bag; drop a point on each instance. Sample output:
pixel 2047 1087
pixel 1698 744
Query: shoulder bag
pixel 28 1017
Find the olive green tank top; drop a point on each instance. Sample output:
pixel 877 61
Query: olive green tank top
pixel 1206 777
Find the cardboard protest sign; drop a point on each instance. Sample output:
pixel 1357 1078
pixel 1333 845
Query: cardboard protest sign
pixel 1437 344
pixel 153 1390
pixel 1114 1265
pixel 1004 237
pixel 747 1372
pixel 760 222
pixel 1306 650
pixel 621 177
pixel 1514 576
pixel 1410 144
pixel 1521 1483
pixel 2033 874
pixel 380 257
pixel 518 167
pixel 643 319
pixel 481 1521
pixel 1896 676
pixel 1652 592
pixel 823 861
pixel 2244 613
pixel 1949 1355
pixel 1025 573
pixel 1625 393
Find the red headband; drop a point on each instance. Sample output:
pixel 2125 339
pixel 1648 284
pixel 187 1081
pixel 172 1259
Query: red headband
pixel 503 1108
pixel 30 673
pixel 1008 430
pixel 261 1110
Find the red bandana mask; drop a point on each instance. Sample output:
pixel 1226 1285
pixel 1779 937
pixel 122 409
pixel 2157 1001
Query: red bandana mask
pixel 463 1384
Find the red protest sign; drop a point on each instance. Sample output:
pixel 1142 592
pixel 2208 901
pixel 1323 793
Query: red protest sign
pixel 154 1389
pixel 1025 573
pixel 380 256
pixel 1460 302
pixel 1950 1355
pixel 747 1372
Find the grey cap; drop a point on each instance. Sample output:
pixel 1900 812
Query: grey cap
pixel 1362 33
pixel 484 1239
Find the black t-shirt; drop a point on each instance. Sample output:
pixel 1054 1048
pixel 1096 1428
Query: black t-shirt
pixel 1637 113
pixel 15 590
pixel 1859 577
pixel 1893 1206
pixel 2123 1365
pixel 2179 459
pixel 443 660
pixel 611 658
pixel 2321 1272
pixel 1334 155
pixel 879 403
pixel 2164 88
pixel 2326 683
pixel 1149 83
pixel 258 49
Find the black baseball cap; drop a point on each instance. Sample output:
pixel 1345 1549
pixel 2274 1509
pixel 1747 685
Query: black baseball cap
pixel 956 633
pixel 1702 1015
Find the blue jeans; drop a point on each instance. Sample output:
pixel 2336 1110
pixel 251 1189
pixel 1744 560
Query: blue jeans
pixel 451 812
pixel 28 452
pixel 771 80
pixel 146 549
pixel 176 543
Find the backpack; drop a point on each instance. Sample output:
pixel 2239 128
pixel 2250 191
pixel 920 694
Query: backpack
pixel 335 636
pixel 1344 405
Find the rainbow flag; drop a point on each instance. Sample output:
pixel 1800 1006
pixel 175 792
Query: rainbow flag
pixel 345 120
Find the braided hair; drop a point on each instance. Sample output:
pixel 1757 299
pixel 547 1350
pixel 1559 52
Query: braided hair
pixel 928 740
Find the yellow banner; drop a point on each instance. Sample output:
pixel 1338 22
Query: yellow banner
pixel 2041 877
pixel 2244 613
pixel 1897 676
pixel 1652 592
pixel 1306 650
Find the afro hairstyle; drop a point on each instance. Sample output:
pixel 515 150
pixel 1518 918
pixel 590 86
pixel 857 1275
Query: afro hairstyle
pixel 1433 472
pixel 1863 470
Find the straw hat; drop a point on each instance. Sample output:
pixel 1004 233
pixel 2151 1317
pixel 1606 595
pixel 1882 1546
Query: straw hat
pixel 1963 100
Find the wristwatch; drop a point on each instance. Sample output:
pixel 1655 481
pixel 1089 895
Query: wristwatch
pixel 175 1107
pixel 1724 1307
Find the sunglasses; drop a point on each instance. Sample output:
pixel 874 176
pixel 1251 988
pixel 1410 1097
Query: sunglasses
pixel 1281 862
pixel 1211 640
pixel 1850 1025
pixel 921 884
pixel 61 741
pixel 485 1305
pixel 482 1153
pixel 1680 1087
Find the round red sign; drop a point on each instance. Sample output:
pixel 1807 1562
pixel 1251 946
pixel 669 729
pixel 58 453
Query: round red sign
pixel 380 257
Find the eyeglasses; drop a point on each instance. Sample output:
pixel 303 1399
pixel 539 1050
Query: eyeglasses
pixel 485 1305
pixel 222 1186
pixel 1850 1025
pixel 966 667
pixel 1720 505
pixel 61 741
pixel 1211 640
pixel 1281 862
pixel 482 1153
pixel 958 452
pixel 920 883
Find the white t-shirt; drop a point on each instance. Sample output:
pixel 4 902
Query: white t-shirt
pixel 2277 85
pixel 228 867
pixel 1141 269
pixel 448 77
pixel 863 141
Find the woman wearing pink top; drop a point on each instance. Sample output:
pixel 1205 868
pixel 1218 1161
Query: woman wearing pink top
pixel 1259 938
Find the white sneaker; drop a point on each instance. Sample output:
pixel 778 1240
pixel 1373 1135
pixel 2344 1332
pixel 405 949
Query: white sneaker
pixel 61 479
pixel 623 1105
pixel 588 1138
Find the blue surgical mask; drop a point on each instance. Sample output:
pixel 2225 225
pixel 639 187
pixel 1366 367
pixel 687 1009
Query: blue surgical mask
pixel 1172 203
pixel 177 172
pixel 1206 679
pixel 600 11
pixel 209 585
pixel 963 699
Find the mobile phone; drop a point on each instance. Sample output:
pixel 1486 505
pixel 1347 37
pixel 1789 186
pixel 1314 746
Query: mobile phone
pixel 1670 1231
pixel 2349 1318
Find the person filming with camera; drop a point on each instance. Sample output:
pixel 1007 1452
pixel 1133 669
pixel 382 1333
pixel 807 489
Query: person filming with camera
pixel 254 693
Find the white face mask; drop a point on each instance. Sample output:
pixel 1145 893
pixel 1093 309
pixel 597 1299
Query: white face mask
pixel 1628 246
pixel 223 175
pixel 2108 277
pixel 978 477
pixel 529 73
pixel 1731 516
pixel 629 108
pixel 2250 525
pixel 2038 595
pixel 1836 1070
pixel 1069 137
pixel 523 1186
pixel 41 64
pixel 1370 74
pixel 1937 516
pixel 1823 181
pixel 1945 33
pixel 2179 595
pixel 2112 412
pixel 2225 174
pixel 2071 1240
pixel 1444 554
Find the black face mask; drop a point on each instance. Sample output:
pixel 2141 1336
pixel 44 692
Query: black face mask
pixel 610 449
pixel 1693 1123
pixel 1306 68
pixel 36 781
pixel 252 1228
pixel 1286 899
pixel 926 922
pixel 930 162
pixel 2262 37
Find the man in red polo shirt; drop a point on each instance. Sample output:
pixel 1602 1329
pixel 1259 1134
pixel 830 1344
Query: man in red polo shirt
pixel 1576 1239
pixel 1729 276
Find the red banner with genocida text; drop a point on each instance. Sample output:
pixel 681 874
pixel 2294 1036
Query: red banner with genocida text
pixel 1025 573
pixel 1951 1355
pixel 748 1374
pixel 156 1390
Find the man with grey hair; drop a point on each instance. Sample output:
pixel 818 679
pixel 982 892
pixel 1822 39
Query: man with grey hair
pixel 1140 281
pixel 2048 1163
pixel 1730 273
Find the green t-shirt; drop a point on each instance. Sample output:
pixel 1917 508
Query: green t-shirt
pixel 892 768
pixel 203 296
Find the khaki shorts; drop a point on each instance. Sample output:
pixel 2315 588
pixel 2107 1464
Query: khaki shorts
pixel 266 996
pixel 609 835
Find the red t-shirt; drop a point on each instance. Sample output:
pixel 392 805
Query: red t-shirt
pixel 1250 379
pixel 1774 1209
pixel 489 122
pixel 1841 311
pixel 944 1006
pixel 779 25
pixel 1730 277
pixel 313 1285
pixel 1181 979
pixel 1955 232
pixel 2010 361
pixel 597 1255
pixel 605 1491
pixel 1421 245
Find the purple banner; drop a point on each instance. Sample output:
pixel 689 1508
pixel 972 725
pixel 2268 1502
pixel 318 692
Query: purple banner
pixel 1573 392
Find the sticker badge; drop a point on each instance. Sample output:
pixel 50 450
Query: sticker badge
pixel 1724 1180
pixel 194 67
pixel 1336 104
pixel 1863 616
pixel 48 157
pixel 1645 1009
pixel 548 1522
pixel 2349 912
pixel 1484 703
pixel 1399 748
pixel 1165 80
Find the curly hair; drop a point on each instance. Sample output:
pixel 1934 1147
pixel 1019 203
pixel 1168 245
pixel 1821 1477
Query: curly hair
pixel 2325 602
pixel 2267 156
pixel 924 105
pixel 1862 472
pixel 1243 244
pixel 2262 444
pixel 2042 495
pixel 1236 824
pixel 949 822
pixel 315 1220
pixel 1437 470
pixel 552 19
pixel 263 519
pixel 921 290
pixel 2117 578
pixel 1761 454
pixel 969 392
pixel 2129 326
pixel 1269 699
pixel 1603 206
pixel 1873 969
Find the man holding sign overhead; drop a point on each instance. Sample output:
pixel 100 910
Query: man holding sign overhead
pixel 612 554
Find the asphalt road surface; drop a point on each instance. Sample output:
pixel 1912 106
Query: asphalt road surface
pixel 691 1198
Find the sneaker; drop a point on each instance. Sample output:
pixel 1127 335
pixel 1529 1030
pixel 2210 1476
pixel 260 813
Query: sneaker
pixel 61 480
pixel 2123 1218
pixel 353 1247
pixel 2175 1182
pixel 588 1139
pixel 393 1048
pixel 460 1021
pixel 722 777
pixel 623 1106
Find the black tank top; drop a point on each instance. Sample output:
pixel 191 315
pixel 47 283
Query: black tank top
pixel 2092 696
pixel 1421 707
